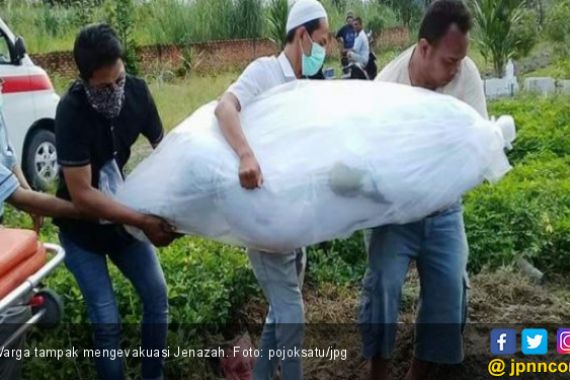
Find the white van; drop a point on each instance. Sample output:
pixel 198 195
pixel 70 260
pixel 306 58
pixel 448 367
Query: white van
pixel 29 110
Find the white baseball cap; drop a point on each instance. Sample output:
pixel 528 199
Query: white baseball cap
pixel 304 11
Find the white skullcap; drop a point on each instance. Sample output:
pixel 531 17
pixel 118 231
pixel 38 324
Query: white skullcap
pixel 304 11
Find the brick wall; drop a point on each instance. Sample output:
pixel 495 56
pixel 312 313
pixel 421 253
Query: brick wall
pixel 208 57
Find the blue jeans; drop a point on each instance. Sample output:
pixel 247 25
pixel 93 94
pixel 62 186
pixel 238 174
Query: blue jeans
pixel 281 279
pixel 138 262
pixel 438 244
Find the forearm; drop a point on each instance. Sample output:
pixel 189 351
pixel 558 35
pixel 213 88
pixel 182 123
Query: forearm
pixel 230 126
pixel 17 170
pixel 43 204
pixel 95 205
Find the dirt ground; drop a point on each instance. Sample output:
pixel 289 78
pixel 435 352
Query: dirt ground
pixel 503 298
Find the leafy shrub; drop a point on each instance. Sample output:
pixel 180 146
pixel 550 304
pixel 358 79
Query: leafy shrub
pixel 557 25
pixel 341 262
pixel 122 17
pixel 522 215
pixel 277 21
pixel 526 29
pixel 543 124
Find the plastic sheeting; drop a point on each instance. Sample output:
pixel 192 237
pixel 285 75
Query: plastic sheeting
pixel 336 156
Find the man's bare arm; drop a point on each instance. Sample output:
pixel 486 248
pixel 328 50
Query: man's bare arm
pixel 42 204
pixel 227 113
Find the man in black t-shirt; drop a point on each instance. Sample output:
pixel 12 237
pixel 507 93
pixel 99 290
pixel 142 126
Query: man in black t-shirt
pixel 346 35
pixel 97 121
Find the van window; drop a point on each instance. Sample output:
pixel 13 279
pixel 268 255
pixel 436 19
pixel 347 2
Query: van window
pixel 4 50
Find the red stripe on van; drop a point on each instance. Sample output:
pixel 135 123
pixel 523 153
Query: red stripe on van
pixel 26 83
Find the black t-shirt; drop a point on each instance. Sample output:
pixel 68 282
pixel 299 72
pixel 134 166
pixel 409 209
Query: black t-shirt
pixel 348 35
pixel 83 137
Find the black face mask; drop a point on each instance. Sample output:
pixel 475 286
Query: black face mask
pixel 109 100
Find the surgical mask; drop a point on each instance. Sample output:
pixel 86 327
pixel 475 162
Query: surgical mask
pixel 311 64
pixel 108 101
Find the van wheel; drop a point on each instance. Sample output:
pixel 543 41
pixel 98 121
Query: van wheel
pixel 40 165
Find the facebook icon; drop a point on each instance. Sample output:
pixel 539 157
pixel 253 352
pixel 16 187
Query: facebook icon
pixel 503 341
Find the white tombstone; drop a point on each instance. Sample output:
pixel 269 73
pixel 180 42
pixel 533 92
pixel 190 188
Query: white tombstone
pixel 542 85
pixel 495 87
pixel 510 70
pixel 506 86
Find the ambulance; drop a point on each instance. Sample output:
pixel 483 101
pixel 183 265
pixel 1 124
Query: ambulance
pixel 29 104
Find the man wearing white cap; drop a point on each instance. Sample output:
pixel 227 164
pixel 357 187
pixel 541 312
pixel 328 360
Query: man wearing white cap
pixel 280 275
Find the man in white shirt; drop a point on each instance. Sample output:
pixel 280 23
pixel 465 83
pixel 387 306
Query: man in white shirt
pixel 280 275
pixel 437 243
pixel 360 53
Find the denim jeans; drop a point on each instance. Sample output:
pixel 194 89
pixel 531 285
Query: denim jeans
pixel 281 279
pixel 139 264
pixel 438 244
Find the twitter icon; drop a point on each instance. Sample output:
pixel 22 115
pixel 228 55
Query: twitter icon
pixel 535 342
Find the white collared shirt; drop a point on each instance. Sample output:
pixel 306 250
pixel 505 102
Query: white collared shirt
pixel 466 85
pixel 260 76
pixel 361 49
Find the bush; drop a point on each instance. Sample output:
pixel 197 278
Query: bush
pixel 543 125
pixel 122 18
pixel 340 262
pixel 528 213
pixel 526 29
pixel 278 11
pixel 557 25
pixel 525 214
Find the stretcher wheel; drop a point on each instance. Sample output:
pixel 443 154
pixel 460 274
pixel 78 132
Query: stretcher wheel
pixel 53 306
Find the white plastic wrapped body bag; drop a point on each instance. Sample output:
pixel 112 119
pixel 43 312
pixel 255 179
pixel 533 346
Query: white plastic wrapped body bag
pixel 336 156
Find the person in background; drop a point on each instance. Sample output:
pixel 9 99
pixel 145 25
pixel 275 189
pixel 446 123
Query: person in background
pixel 346 36
pixel 438 244
pixel 360 53
pixel 280 275
pixel 97 121
pixel 9 161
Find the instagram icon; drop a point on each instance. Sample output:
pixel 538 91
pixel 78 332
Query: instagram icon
pixel 563 341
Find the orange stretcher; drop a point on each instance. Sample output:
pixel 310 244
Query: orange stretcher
pixel 21 255
pixel 23 265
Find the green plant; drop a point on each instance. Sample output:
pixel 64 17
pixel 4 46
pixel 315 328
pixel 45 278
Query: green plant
pixel 521 215
pixel 528 212
pixel 122 19
pixel 495 20
pixel 375 25
pixel 526 30
pixel 557 26
pixel 339 262
pixel 408 11
pixel 277 21
pixel 247 19
pixel 84 11
pixel 543 125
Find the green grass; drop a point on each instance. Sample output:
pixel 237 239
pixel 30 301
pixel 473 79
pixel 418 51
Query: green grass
pixel 178 99
pixel 559 69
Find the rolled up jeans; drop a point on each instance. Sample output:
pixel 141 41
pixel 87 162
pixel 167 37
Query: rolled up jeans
pixel 439 245
pixel 139 264
pixel 280 276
